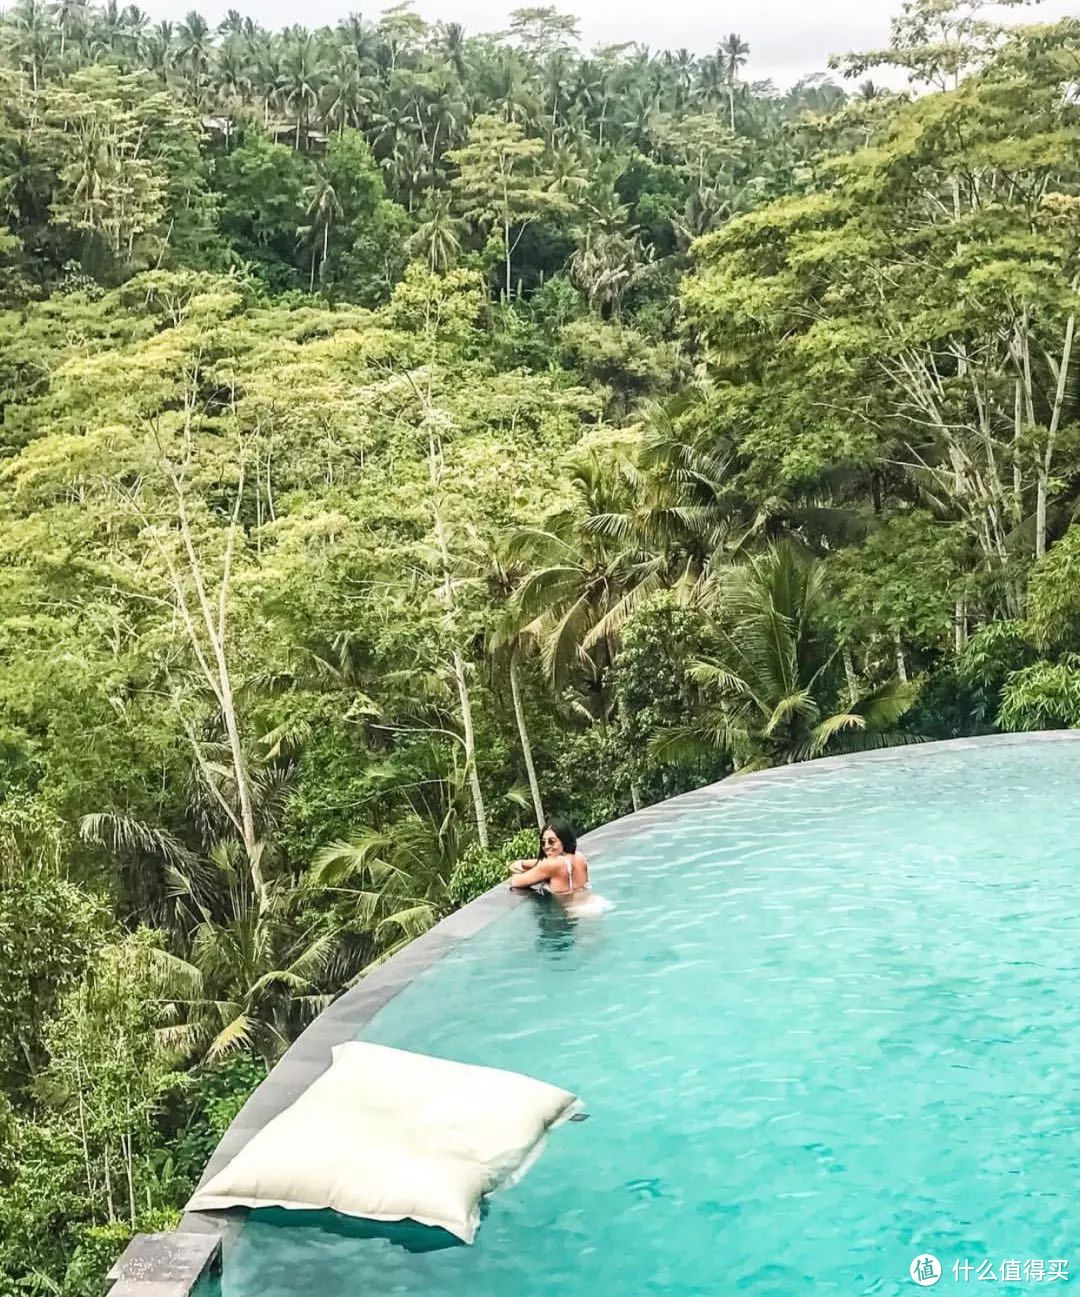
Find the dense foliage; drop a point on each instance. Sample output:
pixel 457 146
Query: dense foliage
pixel 408 435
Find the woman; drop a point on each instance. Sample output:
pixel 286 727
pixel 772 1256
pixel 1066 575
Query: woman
pixel 559 870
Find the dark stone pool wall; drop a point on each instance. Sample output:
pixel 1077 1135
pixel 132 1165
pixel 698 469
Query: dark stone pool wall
pixel 172 1265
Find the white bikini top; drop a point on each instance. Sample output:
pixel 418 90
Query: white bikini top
pixel 570 874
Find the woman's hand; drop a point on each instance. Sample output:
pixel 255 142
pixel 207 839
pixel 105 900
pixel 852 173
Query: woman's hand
pixel 517 866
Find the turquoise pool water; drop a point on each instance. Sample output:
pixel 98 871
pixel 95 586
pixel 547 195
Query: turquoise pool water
pixel 830 1024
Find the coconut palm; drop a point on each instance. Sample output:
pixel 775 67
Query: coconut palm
pixel 605 268
pixel 348 93
pixel 391 881
pixel 323 209
pixel 585 574
pixel 232 24
pixel 362 38
pixel 194 48
pixel 302 77
pixel 510 642
pixel 159 49
pixel 436 237
pixel 73 19
pixel 776 671
pixel 732 55
pixel 231 73
pixel 451 43
pixel 30 35
pixel 254 975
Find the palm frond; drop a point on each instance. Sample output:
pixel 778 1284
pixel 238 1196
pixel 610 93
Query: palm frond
pixel 121 833
pixel 332 864
pixel 236 1034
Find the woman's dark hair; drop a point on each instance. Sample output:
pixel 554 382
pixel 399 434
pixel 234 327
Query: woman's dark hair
pixel 564 831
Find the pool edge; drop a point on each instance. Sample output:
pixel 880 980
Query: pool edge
pixel 310 1054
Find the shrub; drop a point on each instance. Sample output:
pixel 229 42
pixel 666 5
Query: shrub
pixel 477 871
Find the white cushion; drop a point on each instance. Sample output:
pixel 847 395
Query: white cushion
pixel 390 1135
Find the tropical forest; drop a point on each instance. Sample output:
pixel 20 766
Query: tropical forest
pixel 410 433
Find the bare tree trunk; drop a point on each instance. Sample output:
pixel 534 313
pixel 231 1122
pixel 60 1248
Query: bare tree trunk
pixel 1018 427
pixel 960 625
pixel 1046 462
pixel 470 750
pixel 1041 487
pixel 850 676
pixel 460 679
pixel 526 746
pixel 108 1190
pixel 91 1187
pixel 468 732
pixel 125 1145
pixel 208 647
pixel 901 662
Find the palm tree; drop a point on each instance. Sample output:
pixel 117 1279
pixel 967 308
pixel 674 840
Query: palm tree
pixel 323 208
pixel 682 65
pixel 134 23
pixel 776 670
pixel 347 94
pixel 231 74
pixel 451 43
pixel 509 643
pixel 436 237
pixel 443 114
pixel 194 44
pixel 73 20
pixel 302 77
pixel 566 172
pixel 605 268
pixel 253 975
pixel 686 503
pixel 392 880
pixel 592 91
pixel 585 574
pixel 266 75
pixel 733 53
pixel 556 75
pixel 362 38
pixel 158 49
pixel 32 36
pixel 512 94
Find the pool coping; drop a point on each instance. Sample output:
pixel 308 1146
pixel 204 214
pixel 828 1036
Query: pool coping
pixel 149 1267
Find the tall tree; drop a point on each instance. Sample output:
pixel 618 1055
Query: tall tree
pixel 733 55
pixel 500 184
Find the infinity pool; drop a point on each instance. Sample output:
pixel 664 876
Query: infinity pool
pixel 832 1023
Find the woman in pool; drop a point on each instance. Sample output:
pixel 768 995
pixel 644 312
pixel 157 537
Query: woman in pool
pixel 559 870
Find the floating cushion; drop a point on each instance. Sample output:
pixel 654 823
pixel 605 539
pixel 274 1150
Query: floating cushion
pixel 391 1135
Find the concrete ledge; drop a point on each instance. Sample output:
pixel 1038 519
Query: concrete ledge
pixel 167 1265
pixel 164 1265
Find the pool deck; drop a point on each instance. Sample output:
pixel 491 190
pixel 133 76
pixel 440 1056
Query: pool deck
pixel 171 1265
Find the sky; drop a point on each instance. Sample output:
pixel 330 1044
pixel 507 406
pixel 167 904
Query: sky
pixel 788 38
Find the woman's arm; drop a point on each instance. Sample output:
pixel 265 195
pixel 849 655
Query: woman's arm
pixel 539 873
